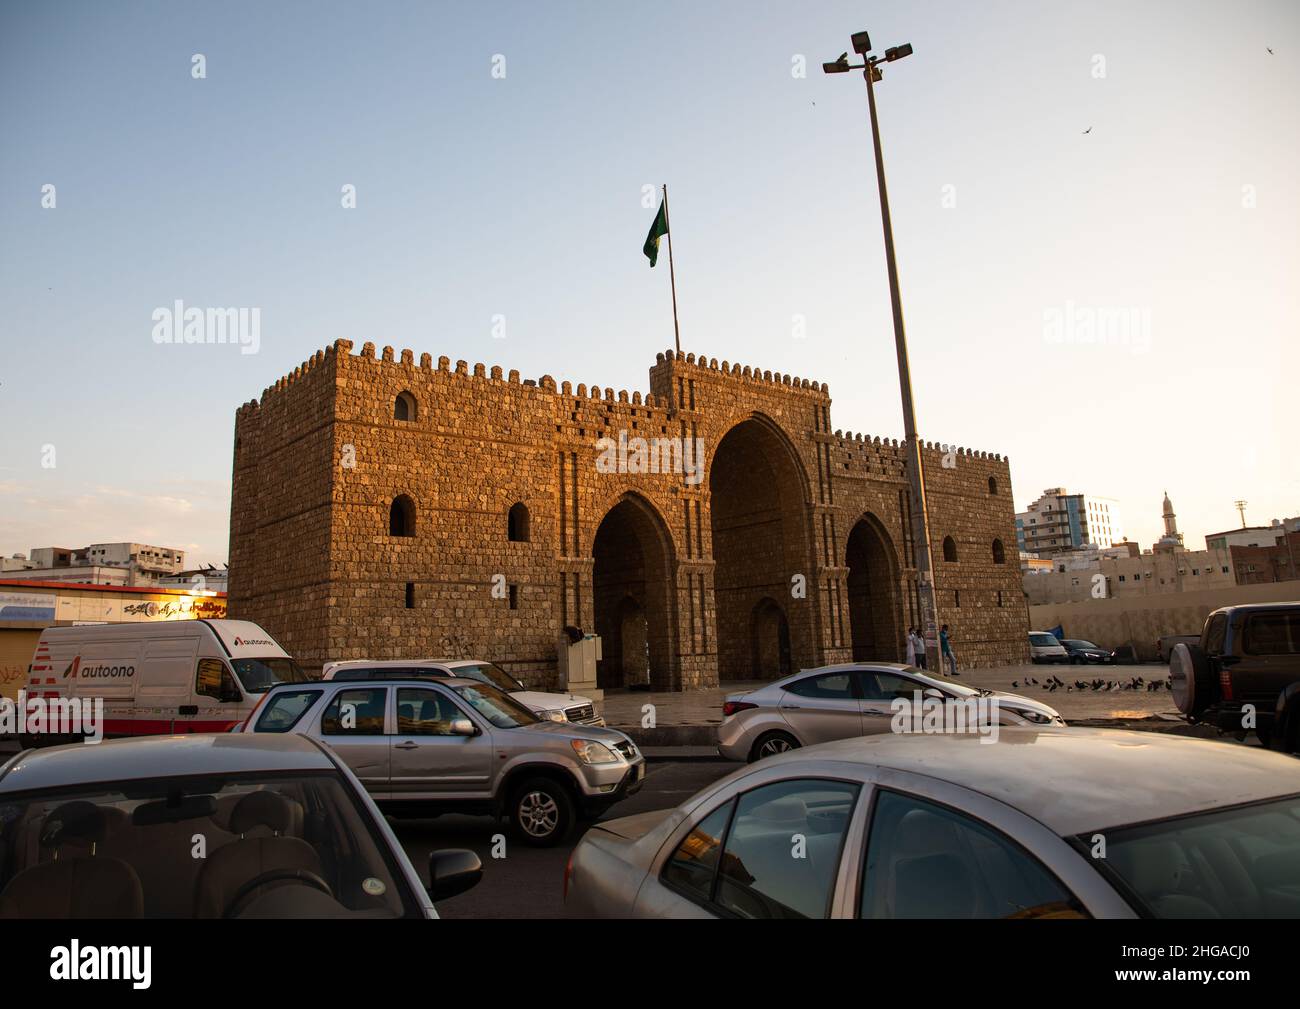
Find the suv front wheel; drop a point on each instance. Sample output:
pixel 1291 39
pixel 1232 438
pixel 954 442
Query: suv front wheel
pixel 542 811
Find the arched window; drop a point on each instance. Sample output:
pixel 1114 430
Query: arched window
pixel 404 407
pixel 993 485
pixel 517 523
pixel 401 517
pixel 999 554
pixel 949 549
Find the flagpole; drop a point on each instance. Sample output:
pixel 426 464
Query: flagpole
pixel 672 276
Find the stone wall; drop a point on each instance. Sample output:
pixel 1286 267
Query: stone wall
pixel 785 547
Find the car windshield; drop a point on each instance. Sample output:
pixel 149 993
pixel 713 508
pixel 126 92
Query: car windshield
pixel 260 675
pixel 1079 643
pixel 496 706
pixel 1043 640
pixel 488 672
pixel 1233 863
pixel 240 845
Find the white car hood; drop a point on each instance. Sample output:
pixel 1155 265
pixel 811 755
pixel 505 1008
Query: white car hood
pixel 541 700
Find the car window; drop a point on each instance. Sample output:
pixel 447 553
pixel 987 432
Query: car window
pixel 1242 862
pixel 1215 633
pixel 1043 640
pixel 425 713
pixel 927 861
pixel 282 711
pixel 1272 634
pixel 887 686
pixel 357 712
pixel 783 849
pixel 275 845
pixel 213 679
pixel 489 672
pixel 830 685
pixel 694 863
pixel 502 710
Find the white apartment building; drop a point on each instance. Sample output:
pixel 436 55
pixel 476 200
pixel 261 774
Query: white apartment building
pixel 1062 520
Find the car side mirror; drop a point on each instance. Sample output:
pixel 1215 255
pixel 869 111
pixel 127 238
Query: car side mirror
pixel 452 871
pixel 229 693
pixel 462 727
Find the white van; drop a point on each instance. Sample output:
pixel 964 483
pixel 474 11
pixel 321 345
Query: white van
pixel 1044 646
pixel 163 677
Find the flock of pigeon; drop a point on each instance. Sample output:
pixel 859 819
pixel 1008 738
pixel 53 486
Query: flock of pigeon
pixel 1055 683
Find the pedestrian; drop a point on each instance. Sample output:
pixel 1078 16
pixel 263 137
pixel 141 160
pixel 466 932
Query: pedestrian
pixel 918 646
pixel 945 651
pixel 911 646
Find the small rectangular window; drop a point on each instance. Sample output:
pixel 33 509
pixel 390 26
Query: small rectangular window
pixel 514 597
pixel 410 595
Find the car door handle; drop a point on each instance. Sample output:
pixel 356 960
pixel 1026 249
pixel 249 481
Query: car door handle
pixel 408 745
pixel 188 709
pixel 792 707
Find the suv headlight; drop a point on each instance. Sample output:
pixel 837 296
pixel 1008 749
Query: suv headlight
pixel 591 752
pixel 555 716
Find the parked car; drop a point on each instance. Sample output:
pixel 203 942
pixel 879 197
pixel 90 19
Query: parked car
pixel 164 676
pixel 1046 647
pixel 1165 644
pixel 1086 653
pixel 553 706
pixel 1245 668
pixel 438 745
pixel 837 702
pixel 941 826
pixel 109 831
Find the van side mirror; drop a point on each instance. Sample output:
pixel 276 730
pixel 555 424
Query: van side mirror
pixel 453 871
pixel 229 692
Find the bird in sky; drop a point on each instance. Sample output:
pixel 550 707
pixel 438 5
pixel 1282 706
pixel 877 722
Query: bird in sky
pixel 1270 51
pixel 1087 131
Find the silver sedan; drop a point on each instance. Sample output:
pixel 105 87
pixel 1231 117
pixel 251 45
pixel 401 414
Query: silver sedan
pixel 1042 823
pixel 853 699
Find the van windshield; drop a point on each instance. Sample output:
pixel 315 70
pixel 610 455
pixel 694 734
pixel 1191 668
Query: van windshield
pixel 257 676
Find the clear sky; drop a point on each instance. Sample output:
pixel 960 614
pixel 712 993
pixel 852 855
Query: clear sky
pixel 521 196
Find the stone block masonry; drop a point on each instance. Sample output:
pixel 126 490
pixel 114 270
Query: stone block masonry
pixel 387 508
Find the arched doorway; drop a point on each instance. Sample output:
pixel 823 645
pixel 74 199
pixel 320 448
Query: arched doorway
pixel 760 542
pixel 769 637
pixel 875 606
pixel 631 581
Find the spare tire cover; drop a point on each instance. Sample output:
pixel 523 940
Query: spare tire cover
pixel 1189 679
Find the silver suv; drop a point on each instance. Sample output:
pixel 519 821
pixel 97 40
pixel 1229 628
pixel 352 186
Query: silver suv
pixel 459 745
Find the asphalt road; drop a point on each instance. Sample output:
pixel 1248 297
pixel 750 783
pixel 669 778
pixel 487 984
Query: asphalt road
pixel 529 882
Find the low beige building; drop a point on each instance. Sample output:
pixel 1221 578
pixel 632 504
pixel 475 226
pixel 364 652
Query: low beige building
pixel 1126 577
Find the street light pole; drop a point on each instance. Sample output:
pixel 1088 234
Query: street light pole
pixel 920 518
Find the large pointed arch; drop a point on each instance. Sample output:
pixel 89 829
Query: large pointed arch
pixel 875 597
pixel 758 512
pixel 632 581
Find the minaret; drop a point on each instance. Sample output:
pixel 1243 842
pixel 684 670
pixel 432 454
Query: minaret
pixel 1172 536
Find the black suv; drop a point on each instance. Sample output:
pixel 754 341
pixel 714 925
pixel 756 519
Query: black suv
pixel 1244 673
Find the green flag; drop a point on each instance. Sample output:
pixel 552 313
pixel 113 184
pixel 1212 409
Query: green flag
pixel 657 231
